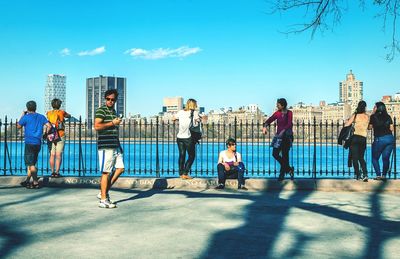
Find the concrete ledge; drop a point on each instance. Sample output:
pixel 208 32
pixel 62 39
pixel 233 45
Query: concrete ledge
pixel 328 185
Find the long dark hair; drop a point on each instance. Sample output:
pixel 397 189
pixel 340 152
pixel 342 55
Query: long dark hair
pixel 382 114
pixel 283 102
pixel 361 107
pixel 381 109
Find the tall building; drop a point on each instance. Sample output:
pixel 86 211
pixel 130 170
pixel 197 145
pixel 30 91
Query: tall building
pixel 95 89
pixel 55 88
pixel 172 104
pixel 351 90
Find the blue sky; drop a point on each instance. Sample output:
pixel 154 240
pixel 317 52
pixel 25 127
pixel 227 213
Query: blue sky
pixel 222 53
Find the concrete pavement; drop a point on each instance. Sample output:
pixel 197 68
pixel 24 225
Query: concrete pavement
pixel 172 223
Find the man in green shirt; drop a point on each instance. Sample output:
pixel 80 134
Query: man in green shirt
pixel 106 124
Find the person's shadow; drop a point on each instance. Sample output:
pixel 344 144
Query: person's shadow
pixel 159 185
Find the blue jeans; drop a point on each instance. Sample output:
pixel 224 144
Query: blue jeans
pixel 382 146
pixel 235 172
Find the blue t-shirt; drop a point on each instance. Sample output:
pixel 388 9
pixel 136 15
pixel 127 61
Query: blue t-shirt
pixel 33 123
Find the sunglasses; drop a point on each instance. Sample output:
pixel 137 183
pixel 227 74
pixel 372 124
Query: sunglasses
pixel 232 144
pixel 110 99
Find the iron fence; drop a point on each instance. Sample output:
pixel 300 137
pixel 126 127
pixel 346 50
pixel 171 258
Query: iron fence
pixel 150 149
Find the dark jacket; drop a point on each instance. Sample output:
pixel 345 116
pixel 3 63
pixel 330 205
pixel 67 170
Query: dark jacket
pixel 345 136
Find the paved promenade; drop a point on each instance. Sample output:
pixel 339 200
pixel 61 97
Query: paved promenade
pixel 55 222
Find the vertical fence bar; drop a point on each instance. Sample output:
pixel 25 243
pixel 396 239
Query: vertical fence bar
pixel 394 150
pixel 332 138
pixel 80 159
pixel 134 146
pixel 151 146
pixel 235 127
pixel 129 146
pixel 5 146
pixel 315 150
pixel 207 148
pixel 321 151
pixel 168 148
pixel 326 148
pixel 1 127
pixel 21 145
pixel 295 139
pixel 157 151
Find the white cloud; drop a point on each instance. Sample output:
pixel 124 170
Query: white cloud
pixel 161 53
pixel 65 52
pixel 94 52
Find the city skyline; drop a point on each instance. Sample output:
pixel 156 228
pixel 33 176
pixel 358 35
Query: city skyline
pixel 192 49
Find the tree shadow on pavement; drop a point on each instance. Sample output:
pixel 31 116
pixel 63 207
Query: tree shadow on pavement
pixel 10 236
pixel 264 222
pixel 379 230
pixel 259 235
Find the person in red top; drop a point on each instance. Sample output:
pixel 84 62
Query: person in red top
pixel 283 138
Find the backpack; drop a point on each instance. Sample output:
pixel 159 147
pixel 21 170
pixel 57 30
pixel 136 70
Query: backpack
pixel 52 135
pixel 195 131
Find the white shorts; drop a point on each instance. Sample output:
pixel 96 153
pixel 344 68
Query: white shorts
pixel 110 159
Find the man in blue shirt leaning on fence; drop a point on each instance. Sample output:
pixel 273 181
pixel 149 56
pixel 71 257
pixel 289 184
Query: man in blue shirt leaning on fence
pixel 110 152
pixel 33 123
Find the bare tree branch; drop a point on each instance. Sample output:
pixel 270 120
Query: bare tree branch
pixel 321 15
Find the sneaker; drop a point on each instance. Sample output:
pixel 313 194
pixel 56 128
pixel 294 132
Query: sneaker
pixel 107 197
pixel 106 204
pixel 220 187
pixel 24 183
pixel 365 179
pixel 242 188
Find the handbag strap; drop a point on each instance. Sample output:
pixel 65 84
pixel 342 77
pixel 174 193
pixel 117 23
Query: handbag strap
pixel 191 118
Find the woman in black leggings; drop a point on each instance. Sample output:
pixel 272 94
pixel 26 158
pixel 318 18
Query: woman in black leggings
pixel 186 117
pixel 358 144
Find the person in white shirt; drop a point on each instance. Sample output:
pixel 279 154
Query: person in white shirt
pixel 230 165
pixel 186 117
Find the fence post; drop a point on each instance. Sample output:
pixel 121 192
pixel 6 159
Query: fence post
pixel 235 127
pixel 394 150
pixel 80 146
pixel 1 125
pixel 5 146
pixel 157 151
pixel 315 150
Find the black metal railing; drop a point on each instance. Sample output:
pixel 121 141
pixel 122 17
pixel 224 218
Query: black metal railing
pixel 150 149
